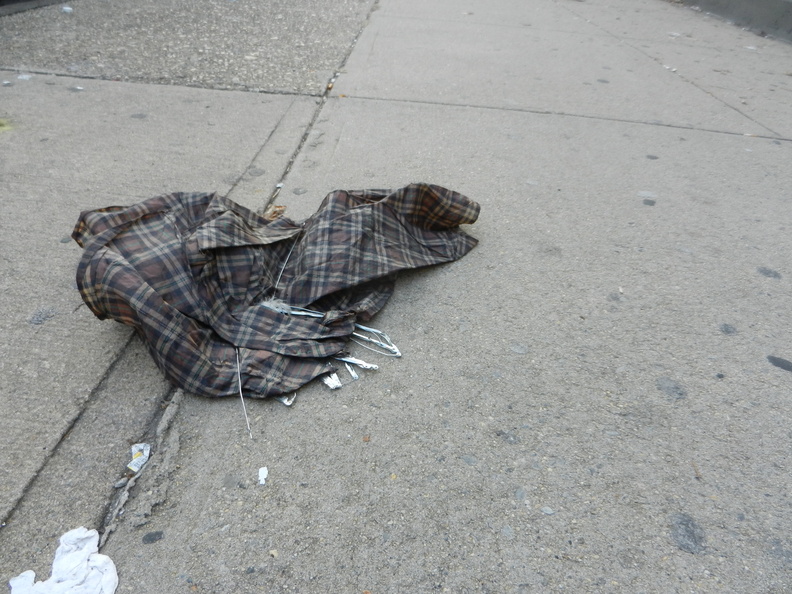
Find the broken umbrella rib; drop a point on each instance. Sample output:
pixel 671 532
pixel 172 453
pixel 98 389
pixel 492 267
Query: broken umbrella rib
pixel 353 374
pixel 241 396
pixel 286 261
pixel 367 335
pixel 359 362
pixel 384 341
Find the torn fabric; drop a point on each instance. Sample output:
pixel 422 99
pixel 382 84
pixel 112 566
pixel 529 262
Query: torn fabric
pixel 190 270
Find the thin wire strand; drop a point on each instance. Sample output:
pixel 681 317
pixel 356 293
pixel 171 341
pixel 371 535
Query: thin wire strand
pixel 241 397
pixel 275 289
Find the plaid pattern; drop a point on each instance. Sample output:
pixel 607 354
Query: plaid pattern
pixel 189 271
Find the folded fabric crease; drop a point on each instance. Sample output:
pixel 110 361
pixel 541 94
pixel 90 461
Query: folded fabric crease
pixel 190 270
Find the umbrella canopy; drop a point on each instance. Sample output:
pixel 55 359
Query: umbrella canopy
pixel 190 271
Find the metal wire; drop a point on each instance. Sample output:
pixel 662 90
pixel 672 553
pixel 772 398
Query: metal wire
pixel 372 336
pixel 241 397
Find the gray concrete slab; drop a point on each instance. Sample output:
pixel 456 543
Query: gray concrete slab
pixel 594 399
pixel 70 145
pixel 291 47
pixel 585 401
pixel 723 74
pixel 530 63
pixel 746 72
pixel 259 182
pixel 74 487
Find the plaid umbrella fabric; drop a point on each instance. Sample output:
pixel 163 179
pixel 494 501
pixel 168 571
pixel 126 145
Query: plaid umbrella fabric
pixel 189 271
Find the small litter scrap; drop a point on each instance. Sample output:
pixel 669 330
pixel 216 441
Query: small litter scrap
pixel 140 453
pixel 77 567
pixel 203 279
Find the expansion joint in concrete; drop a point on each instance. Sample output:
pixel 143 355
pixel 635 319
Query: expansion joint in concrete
pixel 321 103
pixel 83 407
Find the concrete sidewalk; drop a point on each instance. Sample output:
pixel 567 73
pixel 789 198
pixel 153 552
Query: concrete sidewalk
pixel 595 399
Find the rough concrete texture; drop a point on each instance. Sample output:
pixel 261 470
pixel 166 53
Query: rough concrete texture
pixel 68 145
pixel 223 44
pixel 88 468
pixel 595 399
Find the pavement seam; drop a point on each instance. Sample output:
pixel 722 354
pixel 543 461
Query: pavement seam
pixel 626 42
pixel 60 74
pixel 164 422
pixel 85 405
pixel 566 114
pixel 711 94
pixel 323 100
pixel 159 428
pixel 264 145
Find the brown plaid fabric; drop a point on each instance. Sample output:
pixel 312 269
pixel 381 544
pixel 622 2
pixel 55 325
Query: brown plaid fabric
pixel 190 270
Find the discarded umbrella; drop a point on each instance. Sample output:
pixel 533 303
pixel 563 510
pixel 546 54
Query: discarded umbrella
pixel 191 271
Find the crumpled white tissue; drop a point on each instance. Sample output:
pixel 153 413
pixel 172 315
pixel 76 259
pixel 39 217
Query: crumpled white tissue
pixel 78 568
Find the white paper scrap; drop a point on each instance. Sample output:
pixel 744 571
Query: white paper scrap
pixel 140 454
pixel 332 381
pixel 263 474
pixel 77 567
